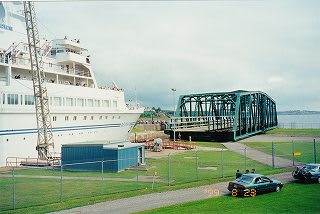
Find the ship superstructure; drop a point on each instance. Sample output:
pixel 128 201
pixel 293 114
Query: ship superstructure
pixel 81 111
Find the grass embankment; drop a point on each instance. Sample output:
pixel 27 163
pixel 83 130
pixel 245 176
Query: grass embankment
pixel 136 130
pixel 294 198
pixel 280 131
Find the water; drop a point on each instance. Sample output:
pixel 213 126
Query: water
pixel 299 121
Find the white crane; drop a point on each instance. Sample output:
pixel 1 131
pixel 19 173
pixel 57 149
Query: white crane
pixel 45 143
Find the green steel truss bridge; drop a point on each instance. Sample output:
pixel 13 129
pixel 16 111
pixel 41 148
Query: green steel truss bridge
pixel 223 116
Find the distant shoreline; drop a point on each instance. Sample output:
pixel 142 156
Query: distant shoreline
pixel 298 112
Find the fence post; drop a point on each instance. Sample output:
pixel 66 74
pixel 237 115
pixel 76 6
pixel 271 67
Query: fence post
pixel 222 172
pixel 315 150
pixel 169 169
pixel 137 173
pixel 13 190
pixel 61 169
pixel 245 158
pixel 272 155
pixel 197 165
pixel 102 179
pixel 292 153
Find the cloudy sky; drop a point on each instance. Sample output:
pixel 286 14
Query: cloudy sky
pixel 206 46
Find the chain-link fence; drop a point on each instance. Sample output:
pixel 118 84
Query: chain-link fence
pixel 25 187
pixel 296 125
pixel 284 154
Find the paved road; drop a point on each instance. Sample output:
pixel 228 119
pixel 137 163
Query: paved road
pixel 259 156
pixel 156 200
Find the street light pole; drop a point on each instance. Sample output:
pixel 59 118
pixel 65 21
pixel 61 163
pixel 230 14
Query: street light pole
pixel 174 114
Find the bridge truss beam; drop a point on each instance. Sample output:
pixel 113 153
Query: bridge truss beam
pixel 239 113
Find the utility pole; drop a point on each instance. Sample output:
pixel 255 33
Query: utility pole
pixel 45 143
pixel 174 114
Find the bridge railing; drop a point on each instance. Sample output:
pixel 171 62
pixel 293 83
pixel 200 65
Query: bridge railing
pixel 211 122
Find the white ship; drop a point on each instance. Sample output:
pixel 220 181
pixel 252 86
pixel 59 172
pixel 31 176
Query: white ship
pixel 81 112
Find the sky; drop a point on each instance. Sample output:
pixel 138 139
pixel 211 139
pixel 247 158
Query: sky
pixel 150 47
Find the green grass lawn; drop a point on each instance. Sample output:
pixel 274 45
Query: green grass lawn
pixel 294 198
pixel 57 172
pixel 183 167
pixel 284 149
pixel 210 144
pixel 294 131
pixel 37 192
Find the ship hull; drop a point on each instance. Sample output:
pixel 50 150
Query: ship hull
pixel 71 124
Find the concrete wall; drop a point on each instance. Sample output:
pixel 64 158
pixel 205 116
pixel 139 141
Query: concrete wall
pixel 149 127
pixel 147 136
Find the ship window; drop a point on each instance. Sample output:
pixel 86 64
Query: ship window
pixel 119 117
pixel 54 118
pixel 66 118
pixel 112 117
pixel 74 117
pixel 60 51
pixel 97 103
pixel 91 118
pixel 106 117
pixel 80 102
pixel 100 118
pixel 85 118
pixel 29 100
pixel 57 101
pixel 90 103
pixel 105 103
pixel 3 99
pixel 115 104
pixel 69 101
pixel 12 99
pixel 21 103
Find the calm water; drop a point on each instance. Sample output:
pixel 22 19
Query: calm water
pixel 299 121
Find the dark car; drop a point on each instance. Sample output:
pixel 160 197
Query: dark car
pixel 253 184
pixel 309 172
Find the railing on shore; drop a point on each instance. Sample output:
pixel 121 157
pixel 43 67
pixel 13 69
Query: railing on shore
pixel 20 161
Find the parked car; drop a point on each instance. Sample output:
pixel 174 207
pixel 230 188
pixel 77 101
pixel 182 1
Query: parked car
pixel 253 184
pixel 309 172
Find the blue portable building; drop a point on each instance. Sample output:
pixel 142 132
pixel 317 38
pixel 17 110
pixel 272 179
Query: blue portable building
pixel 113 157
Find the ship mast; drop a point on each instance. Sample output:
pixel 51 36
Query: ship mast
pixel 45 143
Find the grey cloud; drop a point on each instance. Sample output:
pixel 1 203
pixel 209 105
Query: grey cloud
pixel 198 46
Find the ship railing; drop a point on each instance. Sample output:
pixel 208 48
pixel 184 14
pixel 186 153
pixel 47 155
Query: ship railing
pixel 50 67
pixel 2 57
pixel 131 106
pixel 37 162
